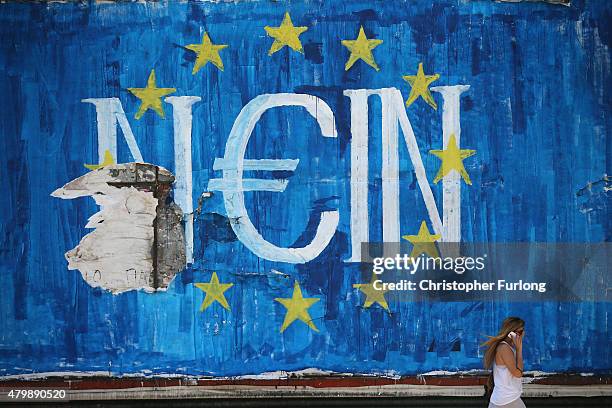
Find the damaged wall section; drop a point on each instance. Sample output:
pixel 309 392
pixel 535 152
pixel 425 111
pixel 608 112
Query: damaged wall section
pixel 138 240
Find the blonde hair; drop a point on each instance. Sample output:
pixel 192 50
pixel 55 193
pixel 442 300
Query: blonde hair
pixel 510 324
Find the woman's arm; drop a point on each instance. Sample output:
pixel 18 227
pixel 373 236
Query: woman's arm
pixel 514 364
pixel 518 342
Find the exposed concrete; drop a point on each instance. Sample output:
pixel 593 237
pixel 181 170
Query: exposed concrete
pixel 138 240
pixel 170 247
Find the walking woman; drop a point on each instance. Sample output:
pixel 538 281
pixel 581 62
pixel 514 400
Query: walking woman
pixel 505 356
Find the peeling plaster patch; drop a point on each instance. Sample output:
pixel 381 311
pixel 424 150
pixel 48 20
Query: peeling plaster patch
pixel 312 372
pixel 595 196
pixel 205 195
pixel 138 240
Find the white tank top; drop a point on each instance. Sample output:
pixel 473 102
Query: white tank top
pixel 507 388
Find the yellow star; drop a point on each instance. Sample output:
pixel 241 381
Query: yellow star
pixel 372 294
pixel 286 34
pixel 214 291
pixel 361 48
pixel 207 51
pixel 452 159
pixel 423 242
pixel 297 308
pixel 108 159
pixel 150 96
pixel 420 87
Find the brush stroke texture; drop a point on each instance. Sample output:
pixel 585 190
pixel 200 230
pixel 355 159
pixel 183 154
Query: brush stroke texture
pixel 537 112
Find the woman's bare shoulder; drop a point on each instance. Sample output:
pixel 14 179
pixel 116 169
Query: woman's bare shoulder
pixel 503 349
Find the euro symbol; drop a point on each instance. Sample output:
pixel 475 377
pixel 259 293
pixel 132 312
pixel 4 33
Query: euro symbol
pixel 233 185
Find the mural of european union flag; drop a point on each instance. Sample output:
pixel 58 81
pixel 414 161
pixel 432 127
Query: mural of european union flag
pixel 190 187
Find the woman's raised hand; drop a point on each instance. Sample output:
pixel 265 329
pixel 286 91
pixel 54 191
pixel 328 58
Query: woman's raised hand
pixel 518 341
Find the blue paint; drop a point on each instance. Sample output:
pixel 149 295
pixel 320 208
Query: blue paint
pixel 537 113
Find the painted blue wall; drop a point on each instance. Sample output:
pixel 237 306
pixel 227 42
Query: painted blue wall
pixel 537 113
